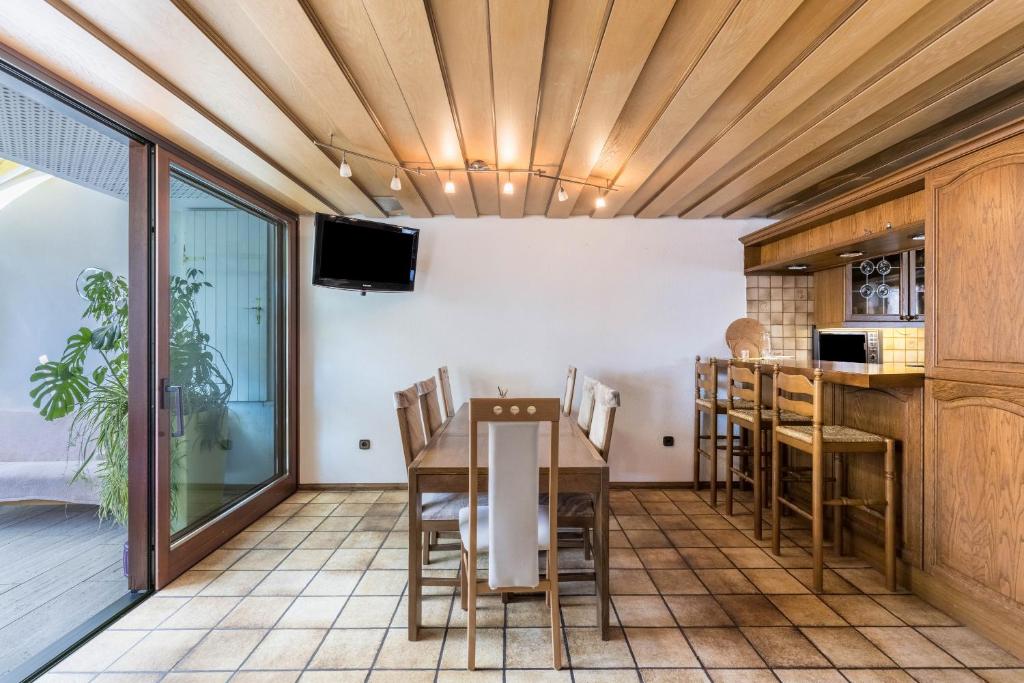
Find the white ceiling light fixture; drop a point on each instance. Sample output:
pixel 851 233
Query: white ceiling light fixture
pixel 562 194
pixel 449 186
pixel 600 202
pixel 343 168
pixel 396 182
pixel 508 188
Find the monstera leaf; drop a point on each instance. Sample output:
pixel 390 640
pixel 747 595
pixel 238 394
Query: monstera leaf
pixel 77 347
pixel 59 387
pixel 106 338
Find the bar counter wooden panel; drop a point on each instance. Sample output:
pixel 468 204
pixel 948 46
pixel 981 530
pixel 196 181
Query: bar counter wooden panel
pixel 443 467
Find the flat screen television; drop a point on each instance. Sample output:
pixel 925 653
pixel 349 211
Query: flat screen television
pixel 350 253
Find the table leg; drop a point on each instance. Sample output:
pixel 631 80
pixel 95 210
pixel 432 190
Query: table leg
pixel 415 550
pixel 601 556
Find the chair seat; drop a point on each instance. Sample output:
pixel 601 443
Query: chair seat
pixel 830 434
pixel 747 415
pixel 439 507
pixel 723 404
pixel 572 504
pixel 483 535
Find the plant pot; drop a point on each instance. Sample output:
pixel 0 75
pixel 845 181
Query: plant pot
pixel 200 471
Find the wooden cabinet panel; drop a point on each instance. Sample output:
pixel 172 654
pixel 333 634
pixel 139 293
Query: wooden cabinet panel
pixel 975 238
pixel 975 477
pixel 830 297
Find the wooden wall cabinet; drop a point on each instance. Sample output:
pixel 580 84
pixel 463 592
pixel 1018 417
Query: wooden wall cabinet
pixel 830 297
pixel 905 303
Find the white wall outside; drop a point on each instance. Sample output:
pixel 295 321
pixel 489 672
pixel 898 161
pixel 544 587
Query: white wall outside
pixel 513 302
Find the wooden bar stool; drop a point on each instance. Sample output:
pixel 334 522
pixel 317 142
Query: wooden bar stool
pixel 743 391
pixel 796 393
pixel 709 406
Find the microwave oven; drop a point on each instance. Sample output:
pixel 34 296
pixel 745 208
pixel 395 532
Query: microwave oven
pixel 848 345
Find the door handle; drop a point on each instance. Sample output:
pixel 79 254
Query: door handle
pixel 179 404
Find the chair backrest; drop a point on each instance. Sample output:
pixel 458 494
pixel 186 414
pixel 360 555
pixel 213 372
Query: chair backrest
pixel 570 389
pixel 606 400
pixel 586 413
pixel 410 423
pixel 743 384
pixel 706 379
pixel 429 406
pixel 513 487
pixel 446 391
pixel 797 394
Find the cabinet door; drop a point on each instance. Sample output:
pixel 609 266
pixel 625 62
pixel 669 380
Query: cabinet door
pixel 974 477
pixel 915 284
pixel 975 294
pixel 875 289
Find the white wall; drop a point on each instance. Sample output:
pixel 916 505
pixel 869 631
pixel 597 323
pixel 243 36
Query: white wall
pixel 47 236
pixel 513 302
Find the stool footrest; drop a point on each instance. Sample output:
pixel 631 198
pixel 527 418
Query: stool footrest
pixel 796 508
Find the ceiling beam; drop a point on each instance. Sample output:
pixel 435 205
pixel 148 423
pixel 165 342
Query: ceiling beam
pixel 198 68
pixel 934 40
pixel 629 35
pixel 732 40
pixel 517 31
pixel 405 34
pixel 284 55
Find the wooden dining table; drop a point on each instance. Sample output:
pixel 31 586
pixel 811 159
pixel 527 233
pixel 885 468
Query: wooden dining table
pixel 443 467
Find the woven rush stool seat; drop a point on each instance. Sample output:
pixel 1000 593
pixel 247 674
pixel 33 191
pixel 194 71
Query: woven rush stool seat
pixel 747 414
pixel 830 434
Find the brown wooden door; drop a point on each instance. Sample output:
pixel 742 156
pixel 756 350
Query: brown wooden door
pixel 225 371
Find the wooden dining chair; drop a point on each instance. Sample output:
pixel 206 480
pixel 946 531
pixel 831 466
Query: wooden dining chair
pixel 586 413
pixel 511 529
pixel 439 512
pixel 570 389
pixel 800 395
pixel 446 391
pixel 430 406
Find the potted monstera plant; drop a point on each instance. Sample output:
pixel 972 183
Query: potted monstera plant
pixel 90 383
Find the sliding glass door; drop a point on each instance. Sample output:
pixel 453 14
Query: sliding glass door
pixel 223 450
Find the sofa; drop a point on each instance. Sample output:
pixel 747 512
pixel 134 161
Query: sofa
pixel 37 464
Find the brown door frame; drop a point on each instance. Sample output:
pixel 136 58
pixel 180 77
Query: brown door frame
pixel 172 561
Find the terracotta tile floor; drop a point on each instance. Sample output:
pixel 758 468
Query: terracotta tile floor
pixel 314 592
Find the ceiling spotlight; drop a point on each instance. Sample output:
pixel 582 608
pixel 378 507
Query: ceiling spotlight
pixel 343 168
pixel 396 182
pixel 508 187
pixel 600 201
pixel 797 266
pixel 919 237
pixel 449 186
pixel 562 194
pixel 851 254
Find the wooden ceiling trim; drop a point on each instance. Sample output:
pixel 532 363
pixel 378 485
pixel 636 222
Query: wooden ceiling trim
pixel 859 33
pixel 210 78
pixel 942 51
pixel 345 28
pixel 209 137
pixel 732 36
pixel 998 110
pixel 308 87
pixel 570 49
pixel 688 31
pixel 461 32
pixel 629 36
pixel 403 30
pixel 517 35
pixel 930 103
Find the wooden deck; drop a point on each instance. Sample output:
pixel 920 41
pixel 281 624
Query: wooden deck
pixel 60 567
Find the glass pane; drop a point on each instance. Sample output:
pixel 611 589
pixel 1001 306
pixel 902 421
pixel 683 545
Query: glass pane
pixel 918 286
pixel 876 286
pixel 64 516
pixel 223 353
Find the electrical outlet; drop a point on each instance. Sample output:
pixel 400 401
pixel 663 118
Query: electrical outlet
pixel 364 444
pixel 668 441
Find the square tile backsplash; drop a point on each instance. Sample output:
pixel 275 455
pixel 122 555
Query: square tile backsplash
pixel 784 304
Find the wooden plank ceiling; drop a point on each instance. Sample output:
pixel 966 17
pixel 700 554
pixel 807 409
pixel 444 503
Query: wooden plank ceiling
pixel 689 108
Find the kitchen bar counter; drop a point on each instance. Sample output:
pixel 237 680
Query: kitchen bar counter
pixel 863 375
